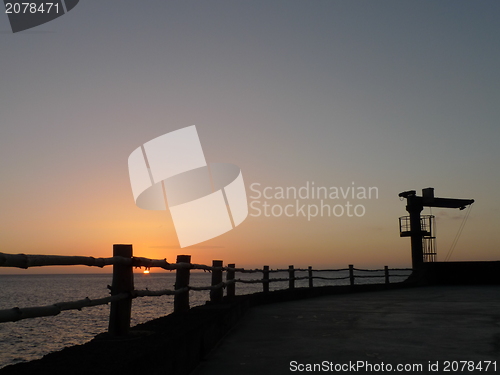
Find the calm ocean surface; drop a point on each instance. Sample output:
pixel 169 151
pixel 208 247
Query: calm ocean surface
pixel 30 339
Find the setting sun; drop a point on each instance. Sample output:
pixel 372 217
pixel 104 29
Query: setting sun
pixel 146 271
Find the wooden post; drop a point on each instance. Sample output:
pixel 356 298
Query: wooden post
pixel 265 278
pixel 386 271
pixel 231 288
pixel 181 300
pixel 310 274
pixel 291 277
pixel 123 282
pixel 216 294
pixel 351 274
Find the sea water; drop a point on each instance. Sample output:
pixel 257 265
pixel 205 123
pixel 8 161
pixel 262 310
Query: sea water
pixel 30 339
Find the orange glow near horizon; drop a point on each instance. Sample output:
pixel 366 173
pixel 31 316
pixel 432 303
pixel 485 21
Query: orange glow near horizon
pixel 371 241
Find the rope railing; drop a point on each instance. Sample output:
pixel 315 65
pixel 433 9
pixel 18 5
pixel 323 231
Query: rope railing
pixel 16 313
pixel 365 270
pixel 123 292
pixel 333 270
pixel 27 261
pixel 330 278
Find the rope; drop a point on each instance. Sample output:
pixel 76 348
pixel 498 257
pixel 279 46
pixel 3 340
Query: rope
pixel 364 270
pixel 15 314
pixel 335 270
pixel 331 278
pixel 459 233
pixel 27 261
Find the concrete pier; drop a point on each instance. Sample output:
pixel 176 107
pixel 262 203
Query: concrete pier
pixel 424 326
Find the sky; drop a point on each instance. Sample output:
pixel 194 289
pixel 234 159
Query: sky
pixel 394 95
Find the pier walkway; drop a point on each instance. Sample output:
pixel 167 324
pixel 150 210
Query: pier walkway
pixel 424 326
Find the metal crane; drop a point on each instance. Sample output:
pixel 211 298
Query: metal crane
pixel 420 228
